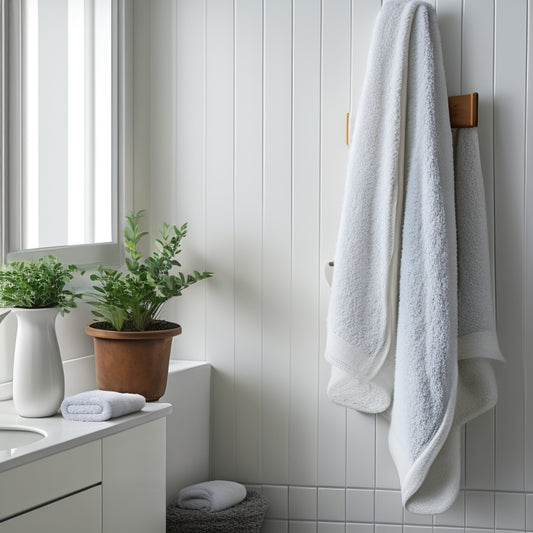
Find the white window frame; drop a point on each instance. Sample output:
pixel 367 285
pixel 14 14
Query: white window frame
pixel 11 130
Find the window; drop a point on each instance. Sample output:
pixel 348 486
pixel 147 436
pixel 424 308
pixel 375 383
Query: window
pixel 62 122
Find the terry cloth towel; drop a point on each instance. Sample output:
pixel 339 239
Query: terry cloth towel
pixel 211 496
pixel 393 315
pixel 477 339
pixel 361 325
pixel 99 405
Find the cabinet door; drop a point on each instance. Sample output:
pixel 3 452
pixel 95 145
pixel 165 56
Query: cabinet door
pixel 81 513
pixel 133 480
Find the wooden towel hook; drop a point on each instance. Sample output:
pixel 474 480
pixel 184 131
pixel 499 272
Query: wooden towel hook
pixel 463 112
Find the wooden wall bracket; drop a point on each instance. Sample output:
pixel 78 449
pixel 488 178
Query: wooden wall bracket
pixel 463 112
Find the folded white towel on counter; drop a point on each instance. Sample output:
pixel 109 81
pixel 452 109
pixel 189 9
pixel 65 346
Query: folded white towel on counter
pixel 211 495
pixel 99 405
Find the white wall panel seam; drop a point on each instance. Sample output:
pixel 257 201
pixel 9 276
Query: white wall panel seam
pixel 319 237
pixel 527 342
pixel 525 246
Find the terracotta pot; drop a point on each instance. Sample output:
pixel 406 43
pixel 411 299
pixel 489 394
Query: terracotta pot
pixel 132 361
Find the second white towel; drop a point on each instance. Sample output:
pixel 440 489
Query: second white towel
pixel 100 405
pixel 211 496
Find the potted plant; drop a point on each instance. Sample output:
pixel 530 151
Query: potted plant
pixel 131 343
pixel 36 291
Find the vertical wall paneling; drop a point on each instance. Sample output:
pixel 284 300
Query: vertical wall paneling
pixel 248 240
pixel 528 316
pixel 449 17
pixel 509 113
pixel 190 160
pixel 220 345
pixel 360 452
pixel 477 75
pixel 163 136
pixel 336 19
pixel 141 104
pixel 303 459
pixel 163 140
pixel 277 215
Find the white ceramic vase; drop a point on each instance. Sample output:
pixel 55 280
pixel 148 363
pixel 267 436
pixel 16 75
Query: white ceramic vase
pixel 7 348
pixel 38 380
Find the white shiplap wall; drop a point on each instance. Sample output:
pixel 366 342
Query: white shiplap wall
pixel 247 103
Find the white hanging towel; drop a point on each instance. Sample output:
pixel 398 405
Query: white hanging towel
pixel 393 315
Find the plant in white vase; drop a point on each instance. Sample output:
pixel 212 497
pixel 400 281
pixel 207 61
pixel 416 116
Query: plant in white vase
pixel 36 291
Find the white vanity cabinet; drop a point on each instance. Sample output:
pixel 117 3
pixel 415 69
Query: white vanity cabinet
pixel 112 484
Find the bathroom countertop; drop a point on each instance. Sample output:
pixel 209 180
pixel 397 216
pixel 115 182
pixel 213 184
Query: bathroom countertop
pixel 60 434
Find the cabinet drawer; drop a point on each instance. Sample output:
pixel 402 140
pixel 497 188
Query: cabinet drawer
pixel 50 478
pixel 81 512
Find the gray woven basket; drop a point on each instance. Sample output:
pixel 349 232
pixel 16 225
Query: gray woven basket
pixel 245 517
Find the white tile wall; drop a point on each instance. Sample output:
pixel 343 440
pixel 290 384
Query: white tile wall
pixel 302 503
pixel 455 515
pixel 278 498
pixel 387 528
pixel 359 528
pixel 417 529
pixel 331 527
pixel 416 519
pixel 275 526
pixel 479 509
pixel 331 504
pixel 359 505
pixel 510 511
pixel 529 512
pixel 323 509
pixel 388 507
pixel 262 88
pixel 296 526
pixel 438 529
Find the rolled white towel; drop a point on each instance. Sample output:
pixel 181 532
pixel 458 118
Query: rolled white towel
pixel 211 495
pixel 99 405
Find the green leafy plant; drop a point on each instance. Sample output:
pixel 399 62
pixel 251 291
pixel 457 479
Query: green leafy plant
pixel 38 284
pixel 132 300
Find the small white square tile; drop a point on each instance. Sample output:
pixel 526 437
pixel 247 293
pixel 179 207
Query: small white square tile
pixel 331 527
pixel 437 529
pixel 388 507
pixel 479 509
pixel 417 529
pixel 275 526
pixel 296 526
pixel 386 473
pixel 359 505
pixel 475 530
pixel 529 511
pixel 510 510
pixel 387 528
pixel 359 528
pixel 417 519
pixel 302 503
pixel 331 504
pixel 455 515
pixel 278 503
